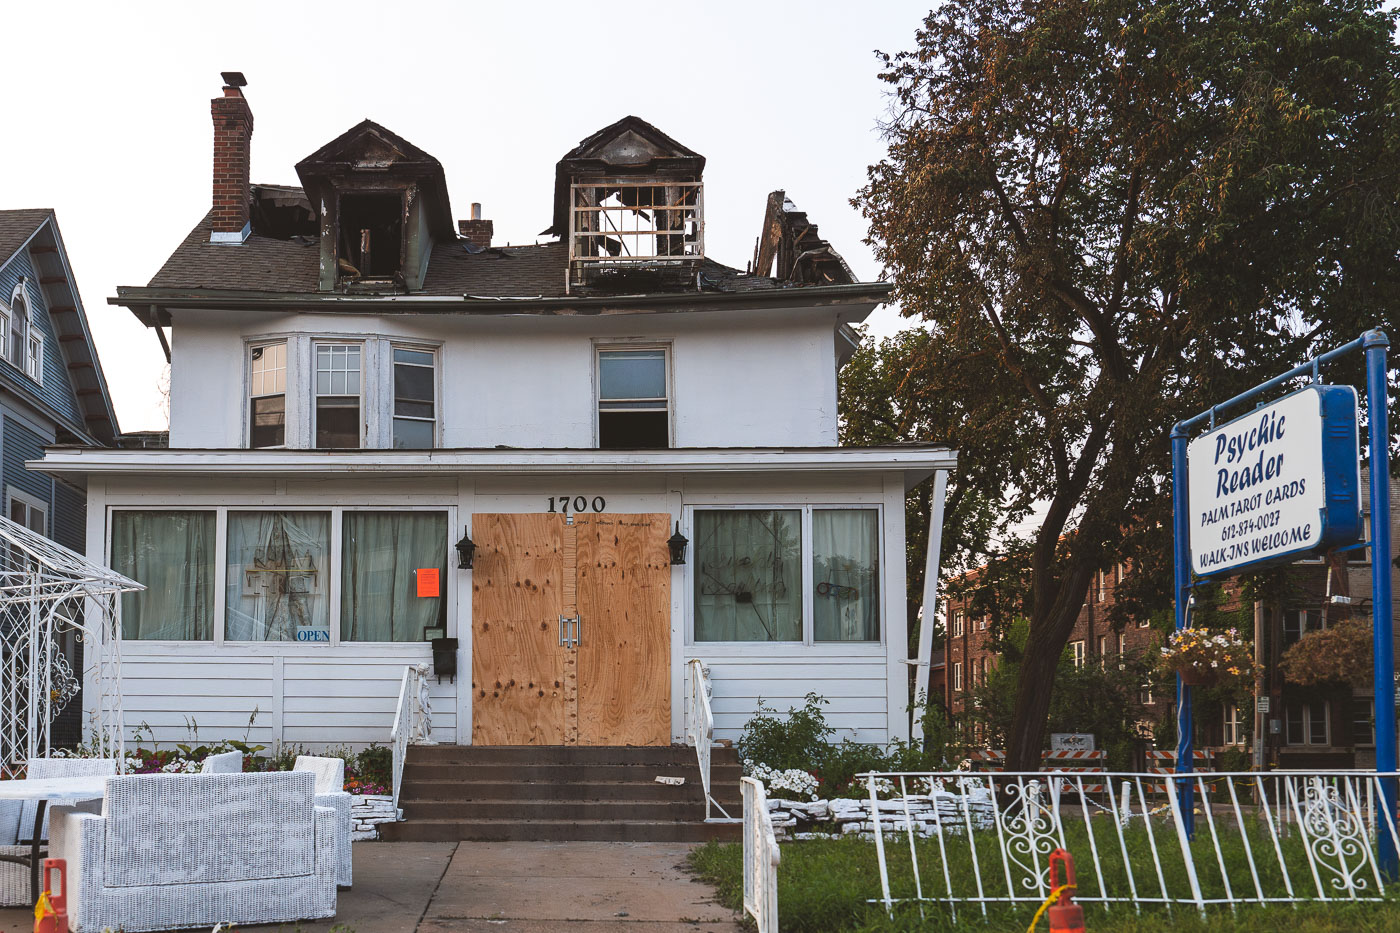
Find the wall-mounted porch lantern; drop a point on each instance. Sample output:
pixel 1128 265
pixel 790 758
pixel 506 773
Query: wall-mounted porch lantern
pixel 466 552
pixel 677 543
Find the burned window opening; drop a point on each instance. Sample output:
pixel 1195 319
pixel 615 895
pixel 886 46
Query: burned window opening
pixel 371 236
pixel 619 224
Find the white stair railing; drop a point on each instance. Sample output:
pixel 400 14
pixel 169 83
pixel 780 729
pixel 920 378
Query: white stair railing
pixel 413 719
pixel 760 858
pixel 700 730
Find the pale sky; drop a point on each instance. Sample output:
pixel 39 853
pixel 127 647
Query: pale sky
pixel 107 116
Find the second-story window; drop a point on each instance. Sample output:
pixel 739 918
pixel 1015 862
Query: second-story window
pixel 19 328
pixel 337 395
pixel 415 411
pixel 34 363
pixel 633 403
pixel 267 390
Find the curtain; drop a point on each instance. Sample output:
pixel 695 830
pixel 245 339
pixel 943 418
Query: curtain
pixel 277 583
pixel 845 575
pixel 380 557
pixel 748 575
pixel 172 553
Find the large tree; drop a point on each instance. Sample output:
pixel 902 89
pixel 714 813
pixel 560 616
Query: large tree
pixel 1106 214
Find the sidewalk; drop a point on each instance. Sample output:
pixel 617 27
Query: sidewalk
pixel 512 887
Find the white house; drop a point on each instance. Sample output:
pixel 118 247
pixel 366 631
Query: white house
pixel 632 446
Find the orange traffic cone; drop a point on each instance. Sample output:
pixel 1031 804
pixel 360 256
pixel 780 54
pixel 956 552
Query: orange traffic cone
pixel 51 912
pixel 1065 916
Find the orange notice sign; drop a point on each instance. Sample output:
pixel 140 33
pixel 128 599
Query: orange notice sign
pixel 427 581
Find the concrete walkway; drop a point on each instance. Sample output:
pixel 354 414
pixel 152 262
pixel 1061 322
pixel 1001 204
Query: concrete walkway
pixel 512 887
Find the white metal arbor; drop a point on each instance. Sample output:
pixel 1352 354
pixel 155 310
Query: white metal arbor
pixel 49 594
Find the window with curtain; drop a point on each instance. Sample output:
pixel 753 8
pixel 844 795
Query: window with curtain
pixel 382 557
pixel 172 553
pixel 748 575
pixel 277 586
pixel 845 575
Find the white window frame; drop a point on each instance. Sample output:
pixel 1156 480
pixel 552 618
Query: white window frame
pixel 808 608
pixel 601 347
pixel 1076 652
pixel 19 297
pixel 34 359
pixel 360 343
pixel 959 623
pixel 337 531
pixel 1145 697
pixel 248 396
pixel 1232 725
pixel 5 329
pixel 957 675
pixel 391 416
pixel 32 503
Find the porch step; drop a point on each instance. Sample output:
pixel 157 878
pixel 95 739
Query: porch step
pixel 595 793
pixel 511 830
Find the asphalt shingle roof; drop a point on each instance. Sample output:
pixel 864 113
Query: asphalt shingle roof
pixel 19 225
pixel 266 264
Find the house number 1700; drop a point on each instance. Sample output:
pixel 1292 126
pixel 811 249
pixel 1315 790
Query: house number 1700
pixel 566 504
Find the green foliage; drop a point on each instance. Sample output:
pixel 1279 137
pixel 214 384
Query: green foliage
pixel 375 765
pixel 797 740
pixel 1107 215
pixel 1338 655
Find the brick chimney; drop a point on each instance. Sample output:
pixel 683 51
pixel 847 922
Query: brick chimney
pixel 233 133
pixel 476 230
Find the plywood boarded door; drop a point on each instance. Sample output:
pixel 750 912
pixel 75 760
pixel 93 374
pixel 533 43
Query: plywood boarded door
pixel 520 690
pixel 623 593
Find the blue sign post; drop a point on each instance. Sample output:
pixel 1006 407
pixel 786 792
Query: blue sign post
pixel 1334 522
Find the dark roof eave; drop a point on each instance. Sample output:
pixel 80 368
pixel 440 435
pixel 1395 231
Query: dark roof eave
pixel 141 301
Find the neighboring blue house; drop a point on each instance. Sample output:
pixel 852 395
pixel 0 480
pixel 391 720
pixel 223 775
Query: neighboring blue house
pixel 51 389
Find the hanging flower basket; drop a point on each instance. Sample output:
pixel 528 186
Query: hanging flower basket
pixel 1207 659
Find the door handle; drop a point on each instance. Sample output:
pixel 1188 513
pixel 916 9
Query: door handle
pixel 568 631
pixel 577 619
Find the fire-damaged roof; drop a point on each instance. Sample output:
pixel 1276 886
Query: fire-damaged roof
pixel 290 265
pixel 285 257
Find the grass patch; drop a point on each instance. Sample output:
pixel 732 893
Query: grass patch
pixel 823 886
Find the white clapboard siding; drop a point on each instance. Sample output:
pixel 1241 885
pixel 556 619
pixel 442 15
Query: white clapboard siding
pixel 855 688
pixel 340 697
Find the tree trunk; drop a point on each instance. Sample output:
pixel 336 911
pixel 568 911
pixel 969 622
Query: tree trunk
pixel 1045 643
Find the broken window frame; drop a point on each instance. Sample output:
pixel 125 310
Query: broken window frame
pixel 254 396
pixel 642 405
pixel 624 224
pixel 317 395
pixel 343 236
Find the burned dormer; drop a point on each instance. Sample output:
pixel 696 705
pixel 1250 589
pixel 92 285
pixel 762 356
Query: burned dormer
pixel 629 202
pixel 382 202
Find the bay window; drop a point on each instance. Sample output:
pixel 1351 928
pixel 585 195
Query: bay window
pixel 337 395
pixel 786 575
pixel 276 588
pixel 393 569
pixel 415 414
pixel 172 553
pixel 267 390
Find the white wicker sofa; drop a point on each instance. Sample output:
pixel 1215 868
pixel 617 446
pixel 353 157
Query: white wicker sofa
pixel 177 850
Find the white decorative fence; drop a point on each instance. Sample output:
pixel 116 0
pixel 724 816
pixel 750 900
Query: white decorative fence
pixel 1259 838
pixel 760 858
pixel 413 720
pixel 700 730
pixel 49 595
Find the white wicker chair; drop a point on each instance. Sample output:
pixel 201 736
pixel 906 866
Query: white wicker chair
pixel 173 851
pixel 330 792
pixel 226 763
pixel 17 821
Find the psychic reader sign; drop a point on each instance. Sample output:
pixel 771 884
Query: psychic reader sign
pixel 1278 483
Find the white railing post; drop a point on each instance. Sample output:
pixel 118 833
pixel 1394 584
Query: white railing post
pixel 413 720
pixel 761 858
pixel 700 729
